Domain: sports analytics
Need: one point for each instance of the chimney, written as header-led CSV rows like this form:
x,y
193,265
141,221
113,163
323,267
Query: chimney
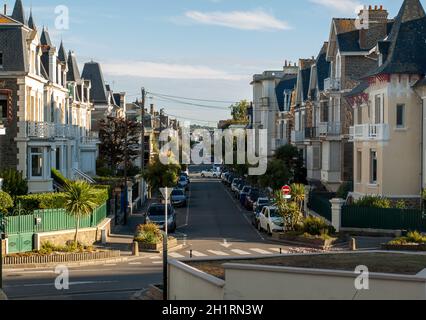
x,y
151,110
372,26
289,68
5,9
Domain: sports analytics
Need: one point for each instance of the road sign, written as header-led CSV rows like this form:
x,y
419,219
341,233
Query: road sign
x,y
286,190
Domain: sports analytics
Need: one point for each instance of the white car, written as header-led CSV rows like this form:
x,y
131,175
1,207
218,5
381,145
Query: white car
x,y
260,202
210,174
270,220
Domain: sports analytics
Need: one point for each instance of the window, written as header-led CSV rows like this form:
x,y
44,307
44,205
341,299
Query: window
x,y
58,158
1,59
324,116
377,109
3,108
373,169
400,116
359,166
36,162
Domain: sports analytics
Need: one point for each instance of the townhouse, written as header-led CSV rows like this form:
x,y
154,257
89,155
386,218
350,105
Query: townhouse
x,y
389,108
45,105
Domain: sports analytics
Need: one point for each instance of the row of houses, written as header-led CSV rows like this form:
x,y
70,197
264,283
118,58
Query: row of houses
x,y
50,111
356,110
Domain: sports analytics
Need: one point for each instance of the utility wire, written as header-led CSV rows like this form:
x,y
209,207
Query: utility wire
x,y
190,104
193,99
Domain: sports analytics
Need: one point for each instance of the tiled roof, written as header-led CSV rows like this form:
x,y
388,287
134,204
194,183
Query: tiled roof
x,y
358,89
287,83
13,44
407,42
92,71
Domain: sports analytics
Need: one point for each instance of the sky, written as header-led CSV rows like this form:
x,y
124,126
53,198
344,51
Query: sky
x,y
204,49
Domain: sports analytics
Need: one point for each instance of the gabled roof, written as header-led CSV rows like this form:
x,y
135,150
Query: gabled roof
x,y
288,82
92,71
18,12
73,72
358,89
62,55
323,66
407,42
45,38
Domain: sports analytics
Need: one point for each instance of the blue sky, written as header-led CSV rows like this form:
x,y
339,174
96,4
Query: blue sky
x,y
205,49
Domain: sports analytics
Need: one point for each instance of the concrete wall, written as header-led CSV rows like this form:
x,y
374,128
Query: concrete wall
x,y
187,283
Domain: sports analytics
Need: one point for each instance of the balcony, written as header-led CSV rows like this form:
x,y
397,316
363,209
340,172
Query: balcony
x,y
369,132
297,136
50,130
326,129
332,84
91,139
311,133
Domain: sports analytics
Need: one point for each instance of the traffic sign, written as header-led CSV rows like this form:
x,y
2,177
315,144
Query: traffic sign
x,y
286,190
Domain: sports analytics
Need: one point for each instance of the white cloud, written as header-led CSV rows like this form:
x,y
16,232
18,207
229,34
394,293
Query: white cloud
x,y
244,20
146,69
344,6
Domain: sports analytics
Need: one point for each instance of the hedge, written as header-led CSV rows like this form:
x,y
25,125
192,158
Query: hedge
x,y
59,178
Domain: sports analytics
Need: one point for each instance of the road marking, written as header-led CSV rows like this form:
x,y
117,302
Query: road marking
x,y
261,251
134,263
176,255
157,262
197,254
110,265
225,244
218,253
155,258
241,252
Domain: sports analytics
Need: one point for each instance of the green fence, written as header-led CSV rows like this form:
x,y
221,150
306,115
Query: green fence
x,y
321,205
52,220
386,219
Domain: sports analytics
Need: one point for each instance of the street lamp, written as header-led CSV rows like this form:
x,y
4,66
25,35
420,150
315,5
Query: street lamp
x,y
166,192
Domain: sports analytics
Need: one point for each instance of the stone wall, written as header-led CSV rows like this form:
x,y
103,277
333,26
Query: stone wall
x,y
8,146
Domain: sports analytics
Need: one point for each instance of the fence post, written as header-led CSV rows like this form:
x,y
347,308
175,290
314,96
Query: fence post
x,y
336,213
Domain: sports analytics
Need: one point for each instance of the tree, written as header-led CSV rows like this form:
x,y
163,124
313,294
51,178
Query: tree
x,y
277,175
289,210
239,111
115,147
79,202
14,183
159,175
6,202
293,160
298,194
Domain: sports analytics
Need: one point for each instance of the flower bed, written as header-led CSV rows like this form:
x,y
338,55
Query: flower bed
x,y
321,242
150,238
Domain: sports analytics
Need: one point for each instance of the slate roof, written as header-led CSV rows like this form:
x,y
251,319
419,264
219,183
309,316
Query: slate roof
x,y
287,83
306,79
45,38
13,45
406,42
92,71
31,22
323,67
62,55
18,12
73,72
358,89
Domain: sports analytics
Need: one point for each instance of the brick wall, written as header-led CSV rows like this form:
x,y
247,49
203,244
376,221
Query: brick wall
x,y
8,146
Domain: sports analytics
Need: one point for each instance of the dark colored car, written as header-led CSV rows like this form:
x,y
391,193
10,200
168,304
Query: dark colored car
x,y
240,188
251,198
157,214
243,194
178,198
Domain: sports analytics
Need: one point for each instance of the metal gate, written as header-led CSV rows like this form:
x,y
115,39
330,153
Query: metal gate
x,y
21,242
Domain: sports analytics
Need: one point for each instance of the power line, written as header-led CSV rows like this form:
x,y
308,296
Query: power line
x,y
193,99
164,99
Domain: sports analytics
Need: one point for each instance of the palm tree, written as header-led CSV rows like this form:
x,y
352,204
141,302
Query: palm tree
x,y
298,194
79,202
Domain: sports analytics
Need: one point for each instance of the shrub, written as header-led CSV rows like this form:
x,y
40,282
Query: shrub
x,y
344,190
317,226
102,194
412,237
42,201
401,204
373,202
59,178
148,233
6,202
14,183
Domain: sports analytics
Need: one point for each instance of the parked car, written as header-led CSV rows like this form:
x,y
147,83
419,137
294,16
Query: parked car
x,y
261,202
209,174
235,183
157,214
256,214
239,189
183,175
224,176
251,198
183,183
178,198
243,194
229,179
270,220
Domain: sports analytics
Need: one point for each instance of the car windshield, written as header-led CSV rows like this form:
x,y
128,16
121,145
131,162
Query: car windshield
x,y
158,210
182,179
177,193
274,213
263,201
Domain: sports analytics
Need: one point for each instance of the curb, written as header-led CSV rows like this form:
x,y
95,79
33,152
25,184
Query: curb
x,y
176,248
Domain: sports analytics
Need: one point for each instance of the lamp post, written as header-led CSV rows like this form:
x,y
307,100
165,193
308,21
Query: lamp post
x,y
166,194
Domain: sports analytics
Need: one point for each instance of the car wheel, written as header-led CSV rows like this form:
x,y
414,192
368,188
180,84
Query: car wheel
x,y
269,230
202,175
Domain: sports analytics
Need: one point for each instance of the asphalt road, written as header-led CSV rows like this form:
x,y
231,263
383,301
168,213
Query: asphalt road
x,y
213,224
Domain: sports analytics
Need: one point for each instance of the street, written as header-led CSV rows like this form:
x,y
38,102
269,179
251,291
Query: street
x,y
213,224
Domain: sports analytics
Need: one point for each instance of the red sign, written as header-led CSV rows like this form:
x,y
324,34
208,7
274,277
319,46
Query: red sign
x,y
286,190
